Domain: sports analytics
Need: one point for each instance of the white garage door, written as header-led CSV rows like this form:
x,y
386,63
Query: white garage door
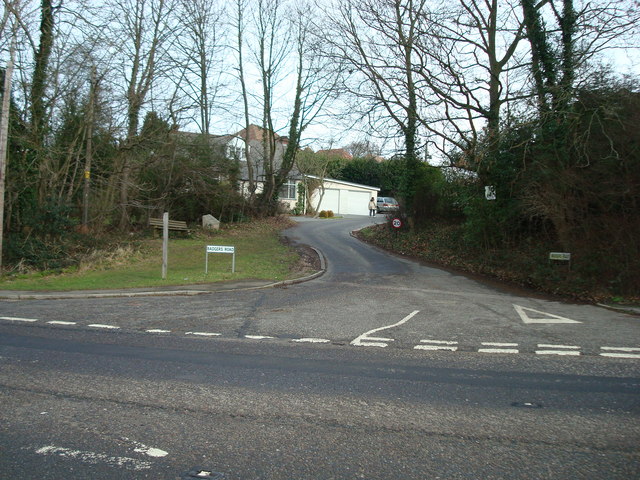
x,y
357,203
331,200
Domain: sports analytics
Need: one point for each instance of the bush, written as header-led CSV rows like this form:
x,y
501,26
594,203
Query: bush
x,y
323,214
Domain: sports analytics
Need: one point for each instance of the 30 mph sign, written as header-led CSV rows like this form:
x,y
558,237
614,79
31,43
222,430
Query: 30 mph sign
x,y
396,223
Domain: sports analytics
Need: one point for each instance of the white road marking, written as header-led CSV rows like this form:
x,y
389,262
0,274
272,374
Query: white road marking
x,y
498,350
157,330
620,355
574,353
550,345
94,458
203,334
620,352
18,319
440,342
435,347
150,451
311,340
59,322
100,325
621,349
497,347
546,317
258,337
365,341
432,345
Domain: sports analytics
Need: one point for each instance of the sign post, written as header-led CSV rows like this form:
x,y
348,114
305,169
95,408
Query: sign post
x,y
396,223
165,244
220,249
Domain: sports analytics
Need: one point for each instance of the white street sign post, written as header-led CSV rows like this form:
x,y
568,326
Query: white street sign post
x,y
220,249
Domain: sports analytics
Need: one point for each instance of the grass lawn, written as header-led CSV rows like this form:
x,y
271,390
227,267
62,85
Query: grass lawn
x,y
259,255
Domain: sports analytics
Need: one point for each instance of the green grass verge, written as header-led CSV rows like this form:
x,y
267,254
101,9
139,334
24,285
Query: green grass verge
x,y
259,255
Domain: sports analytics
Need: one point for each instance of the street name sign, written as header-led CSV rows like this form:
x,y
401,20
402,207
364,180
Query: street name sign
x,y
560,256
220,249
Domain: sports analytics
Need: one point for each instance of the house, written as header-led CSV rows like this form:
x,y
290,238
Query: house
x,y
343,198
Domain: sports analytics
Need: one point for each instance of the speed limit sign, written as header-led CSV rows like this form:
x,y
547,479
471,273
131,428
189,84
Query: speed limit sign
x,y
396,223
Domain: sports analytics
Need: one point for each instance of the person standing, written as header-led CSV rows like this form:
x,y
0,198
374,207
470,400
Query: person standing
x,y
372,207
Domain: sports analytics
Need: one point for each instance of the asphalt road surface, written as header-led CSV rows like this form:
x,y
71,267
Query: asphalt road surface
x,y
380,368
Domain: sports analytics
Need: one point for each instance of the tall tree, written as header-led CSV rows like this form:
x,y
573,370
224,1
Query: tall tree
x,y
199,56
374,42
142,28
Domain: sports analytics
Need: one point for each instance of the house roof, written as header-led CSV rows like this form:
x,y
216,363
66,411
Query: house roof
x,y
337,152
342,182
257,133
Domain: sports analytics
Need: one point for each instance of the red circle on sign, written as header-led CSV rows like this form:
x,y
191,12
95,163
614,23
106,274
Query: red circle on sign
x,y
396,223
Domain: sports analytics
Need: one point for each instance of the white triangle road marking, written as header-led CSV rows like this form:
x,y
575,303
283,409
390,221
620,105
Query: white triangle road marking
x,y
546,317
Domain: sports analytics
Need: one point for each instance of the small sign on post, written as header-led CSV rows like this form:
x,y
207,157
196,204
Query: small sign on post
x,y
220,249
560,257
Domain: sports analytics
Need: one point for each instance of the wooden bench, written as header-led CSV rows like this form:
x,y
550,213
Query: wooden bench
x,y
179,225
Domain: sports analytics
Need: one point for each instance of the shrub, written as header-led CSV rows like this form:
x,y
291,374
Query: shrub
x,y
330,213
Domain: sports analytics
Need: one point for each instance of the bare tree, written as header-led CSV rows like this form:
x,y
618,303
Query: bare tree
x,y
241,6
375,42
295,84
142,29
470,61
200,56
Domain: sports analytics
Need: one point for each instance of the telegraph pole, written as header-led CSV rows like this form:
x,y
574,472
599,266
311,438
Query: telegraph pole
x,y
4,134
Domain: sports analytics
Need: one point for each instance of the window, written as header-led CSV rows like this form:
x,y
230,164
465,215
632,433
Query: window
x,y
288,190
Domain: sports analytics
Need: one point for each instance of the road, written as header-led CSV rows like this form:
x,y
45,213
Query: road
x,y
380,368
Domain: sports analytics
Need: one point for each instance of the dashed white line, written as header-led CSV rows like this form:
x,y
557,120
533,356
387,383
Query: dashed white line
x,y
548,345
440,342
563,350
157,330
567,353
433,345
621,349
203,334
18,319
101,325
497,347
620,355
258,337
60,322
311,340
620,352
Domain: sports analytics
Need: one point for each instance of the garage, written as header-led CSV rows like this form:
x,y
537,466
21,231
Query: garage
x,y
345,198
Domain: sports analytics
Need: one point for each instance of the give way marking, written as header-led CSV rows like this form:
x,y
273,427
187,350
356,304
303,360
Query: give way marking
x,y
365,340
546,317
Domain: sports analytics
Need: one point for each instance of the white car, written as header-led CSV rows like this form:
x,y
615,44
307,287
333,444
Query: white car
x,y
387,204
